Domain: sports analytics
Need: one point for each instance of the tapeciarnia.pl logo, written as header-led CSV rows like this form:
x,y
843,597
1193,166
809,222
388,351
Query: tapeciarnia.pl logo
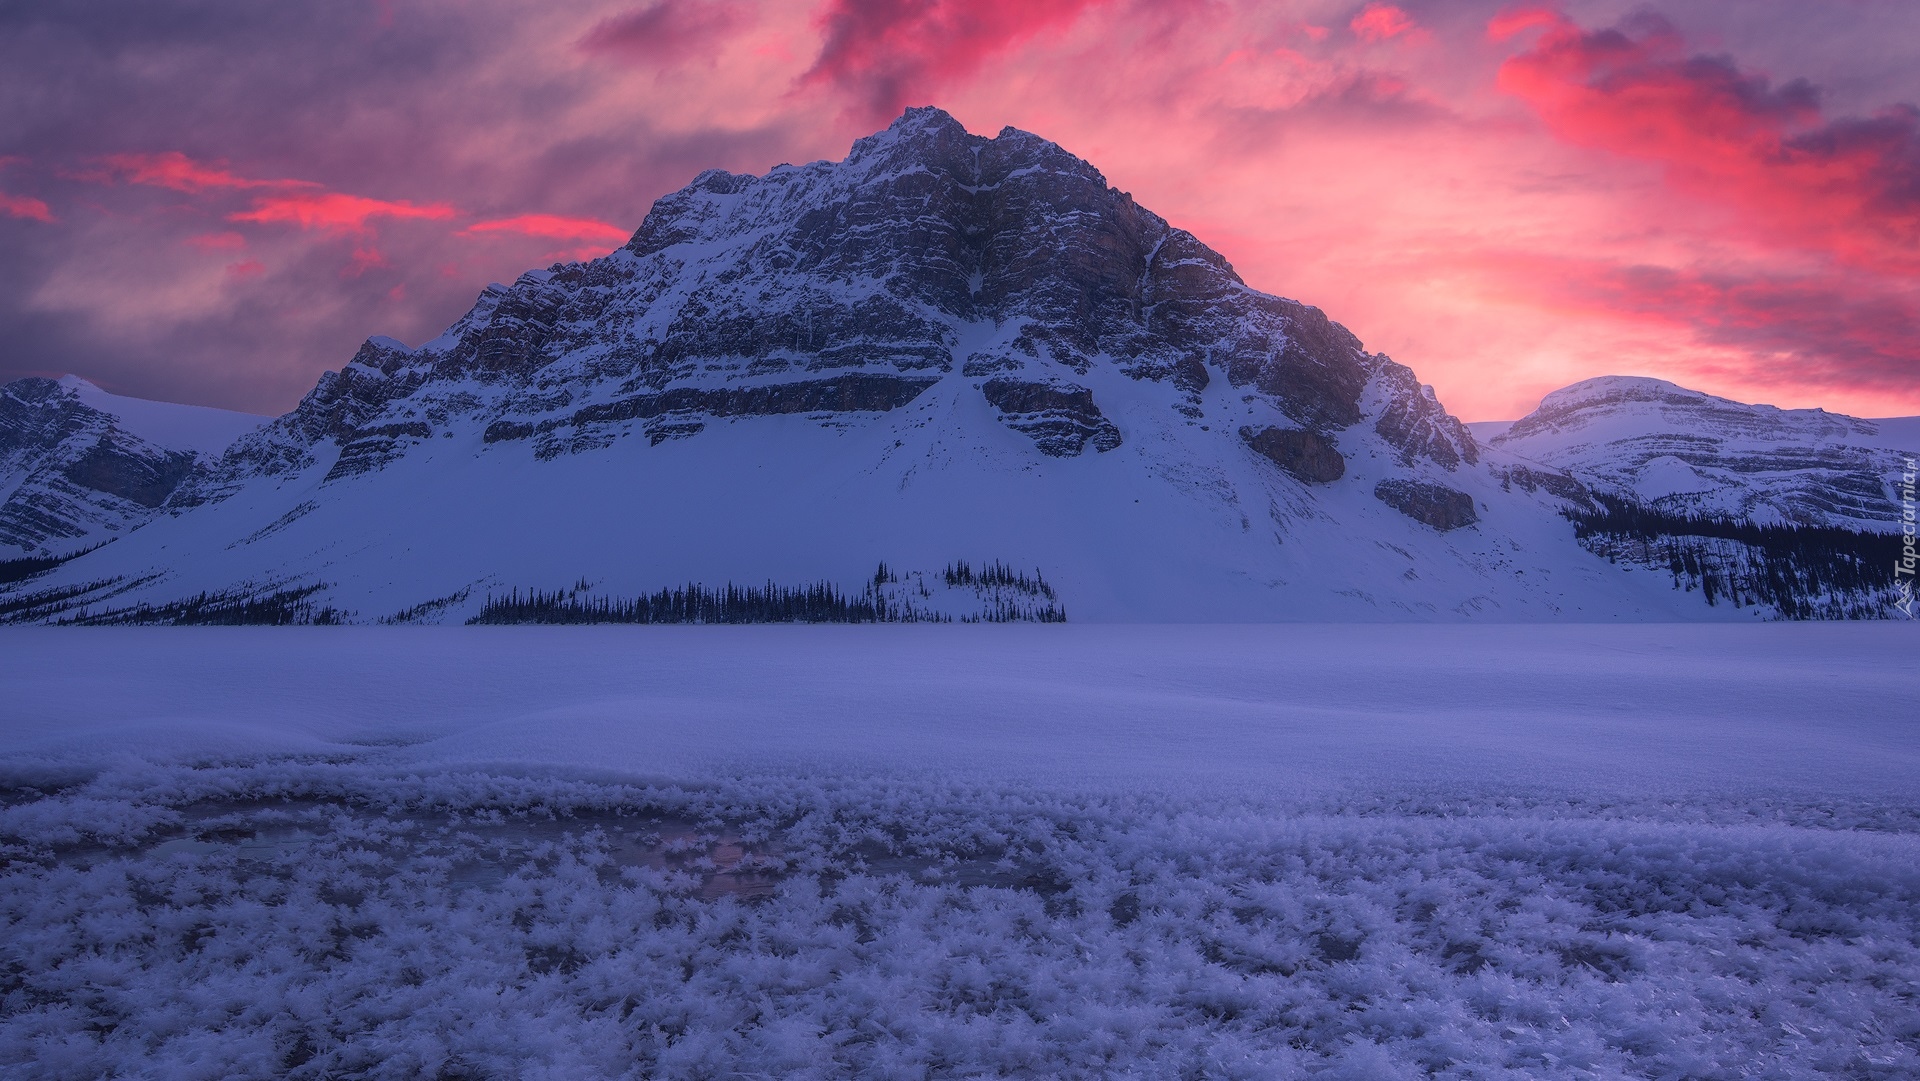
x,y
1903,568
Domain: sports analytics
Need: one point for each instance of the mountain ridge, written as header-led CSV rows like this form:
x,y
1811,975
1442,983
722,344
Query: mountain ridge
x,y
943,350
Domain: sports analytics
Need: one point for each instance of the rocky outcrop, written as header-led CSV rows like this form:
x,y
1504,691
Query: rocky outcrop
x,y
843,394
1413,420
682,406
71,475
1061,419
347,409
1430,504
1310,456
1560,485
367,449
131,469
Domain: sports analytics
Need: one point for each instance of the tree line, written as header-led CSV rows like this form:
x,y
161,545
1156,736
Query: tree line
x,y
1804,572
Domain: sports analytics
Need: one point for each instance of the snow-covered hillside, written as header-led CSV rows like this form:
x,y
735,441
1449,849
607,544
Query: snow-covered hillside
x,y
837,390
1686,452
80,466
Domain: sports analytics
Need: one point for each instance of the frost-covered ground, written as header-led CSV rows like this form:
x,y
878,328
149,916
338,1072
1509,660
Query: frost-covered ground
x,y
1345,852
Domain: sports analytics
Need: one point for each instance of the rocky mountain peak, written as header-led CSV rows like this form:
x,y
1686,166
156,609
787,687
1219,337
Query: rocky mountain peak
x,y
926,250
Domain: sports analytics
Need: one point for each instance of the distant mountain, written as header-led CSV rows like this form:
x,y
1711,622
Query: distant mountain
x,y
947,377
1682,451
1793,509
80,466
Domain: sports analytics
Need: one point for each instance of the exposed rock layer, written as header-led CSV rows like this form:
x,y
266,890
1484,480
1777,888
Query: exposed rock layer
x,y
1307,455
1431,504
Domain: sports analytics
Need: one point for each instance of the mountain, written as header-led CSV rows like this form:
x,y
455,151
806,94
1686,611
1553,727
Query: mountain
x,y
80,466
948,376
1797,511
1682,451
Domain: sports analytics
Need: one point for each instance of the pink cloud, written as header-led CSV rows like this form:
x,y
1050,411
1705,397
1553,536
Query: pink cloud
x,y
365,257
174,170
217,240
228,241
1849,187
246,268
665,31
1380,22
1518,20
335,212
25,206
551,227
888,51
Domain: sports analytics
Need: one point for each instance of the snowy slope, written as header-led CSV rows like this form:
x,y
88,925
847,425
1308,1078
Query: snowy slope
x,y
202,429
944,348
80,466
1688,452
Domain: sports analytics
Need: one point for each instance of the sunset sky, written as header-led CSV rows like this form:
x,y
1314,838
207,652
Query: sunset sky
x,y
212,202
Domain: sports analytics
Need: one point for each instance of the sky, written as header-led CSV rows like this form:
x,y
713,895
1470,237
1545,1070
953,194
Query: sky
x,y
213,201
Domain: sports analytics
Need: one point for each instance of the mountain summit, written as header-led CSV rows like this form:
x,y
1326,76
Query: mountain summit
x,y
946,377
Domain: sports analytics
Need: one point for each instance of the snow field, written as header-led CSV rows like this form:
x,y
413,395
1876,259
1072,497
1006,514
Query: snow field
x,y
307,919
1331,852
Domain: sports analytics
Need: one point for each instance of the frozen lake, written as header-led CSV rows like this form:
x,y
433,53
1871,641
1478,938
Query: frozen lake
x,y
1063,851
1818,709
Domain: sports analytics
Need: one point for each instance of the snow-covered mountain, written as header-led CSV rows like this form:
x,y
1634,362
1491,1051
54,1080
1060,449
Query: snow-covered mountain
x,y
1685,452
80,466
947,377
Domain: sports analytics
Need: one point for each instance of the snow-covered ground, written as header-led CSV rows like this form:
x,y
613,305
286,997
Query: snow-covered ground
x,y
1009,851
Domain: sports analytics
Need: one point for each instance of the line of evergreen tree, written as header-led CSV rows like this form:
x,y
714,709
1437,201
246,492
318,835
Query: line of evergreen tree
x,y
1008,612
284,608
19,570
1804,572
693,603
14,570
820,602
32,607
997,574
